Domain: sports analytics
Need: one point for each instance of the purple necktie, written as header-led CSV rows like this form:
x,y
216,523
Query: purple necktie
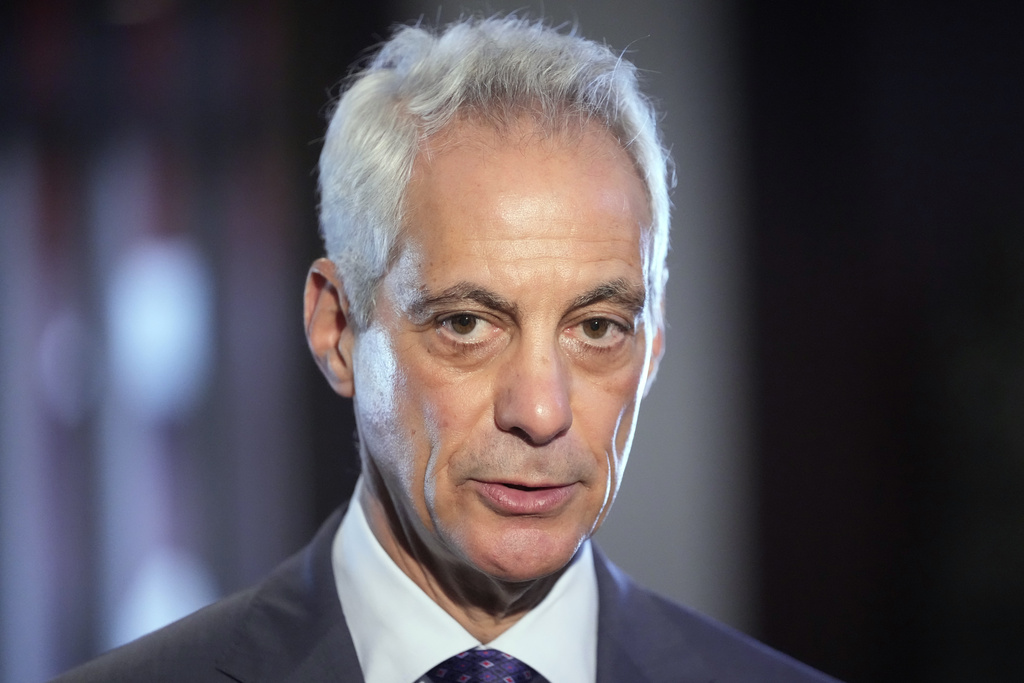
x,y
483,666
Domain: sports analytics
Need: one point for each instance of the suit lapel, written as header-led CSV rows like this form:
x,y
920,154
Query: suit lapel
x,y
635,639
294,629
614,641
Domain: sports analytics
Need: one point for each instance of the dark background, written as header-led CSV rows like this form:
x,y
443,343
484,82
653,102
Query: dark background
x,y
888,230
884,177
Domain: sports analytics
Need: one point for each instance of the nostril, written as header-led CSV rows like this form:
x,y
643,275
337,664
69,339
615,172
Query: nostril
x,y
522,434
539,438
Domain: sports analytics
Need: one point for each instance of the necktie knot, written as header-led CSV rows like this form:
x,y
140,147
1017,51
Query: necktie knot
x,y
483,666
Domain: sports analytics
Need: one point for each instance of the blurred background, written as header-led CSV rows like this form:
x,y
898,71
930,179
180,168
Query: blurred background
x,y
832,458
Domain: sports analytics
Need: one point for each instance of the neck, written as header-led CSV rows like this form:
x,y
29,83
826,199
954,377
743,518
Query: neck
x,y
483,605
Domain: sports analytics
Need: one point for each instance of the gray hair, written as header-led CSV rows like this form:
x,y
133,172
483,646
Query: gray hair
x,y
420,81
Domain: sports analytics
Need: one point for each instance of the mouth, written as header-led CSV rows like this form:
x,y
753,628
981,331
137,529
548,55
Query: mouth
x,y
509,498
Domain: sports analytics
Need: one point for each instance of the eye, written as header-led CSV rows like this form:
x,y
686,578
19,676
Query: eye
x,y
467,335
599,334
462,324
596,328
466,328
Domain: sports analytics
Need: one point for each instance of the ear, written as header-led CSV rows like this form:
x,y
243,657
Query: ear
x,y
329,329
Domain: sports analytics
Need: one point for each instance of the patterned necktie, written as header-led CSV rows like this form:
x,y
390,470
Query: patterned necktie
x,y
483,666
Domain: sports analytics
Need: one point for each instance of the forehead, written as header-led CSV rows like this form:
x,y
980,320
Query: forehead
x,y
533,140
520,193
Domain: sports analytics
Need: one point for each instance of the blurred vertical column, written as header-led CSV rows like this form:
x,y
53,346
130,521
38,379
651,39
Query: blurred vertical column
x,y
45,356
26,539
158,322
261,281
148,320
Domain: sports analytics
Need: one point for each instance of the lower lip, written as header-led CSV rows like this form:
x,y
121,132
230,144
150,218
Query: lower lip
x,y
514,501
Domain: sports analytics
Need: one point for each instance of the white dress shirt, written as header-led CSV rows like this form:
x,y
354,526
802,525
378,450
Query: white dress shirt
x,y
400,633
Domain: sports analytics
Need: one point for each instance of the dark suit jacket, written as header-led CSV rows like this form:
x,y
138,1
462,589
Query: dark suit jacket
x,y
290,628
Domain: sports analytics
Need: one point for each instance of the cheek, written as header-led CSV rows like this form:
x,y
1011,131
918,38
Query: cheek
x,y
379,396
412,413
629,392
613,426
456,419
619,405
376,373
452,407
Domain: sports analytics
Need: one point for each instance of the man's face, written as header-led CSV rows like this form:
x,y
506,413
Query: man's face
x,y
497,386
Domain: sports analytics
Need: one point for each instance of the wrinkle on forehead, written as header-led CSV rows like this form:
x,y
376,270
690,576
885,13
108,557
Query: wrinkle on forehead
x,y
516,209
521,200
537,250
577,133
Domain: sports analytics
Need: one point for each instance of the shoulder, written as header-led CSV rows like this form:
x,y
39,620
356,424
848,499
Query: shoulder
x,y
184,650
289,627
644,636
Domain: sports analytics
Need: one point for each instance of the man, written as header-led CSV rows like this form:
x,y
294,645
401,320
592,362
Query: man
x,y
495,212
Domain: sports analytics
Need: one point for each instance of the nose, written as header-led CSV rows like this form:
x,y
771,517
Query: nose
x,y
533,395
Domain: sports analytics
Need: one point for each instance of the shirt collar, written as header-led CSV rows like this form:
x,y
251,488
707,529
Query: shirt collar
x,y
387,613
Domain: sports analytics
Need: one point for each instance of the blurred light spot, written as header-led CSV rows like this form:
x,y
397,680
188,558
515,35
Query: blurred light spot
x,y
159,317
169,585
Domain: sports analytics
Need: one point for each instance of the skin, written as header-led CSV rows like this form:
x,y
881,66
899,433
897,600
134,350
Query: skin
x,y
497,386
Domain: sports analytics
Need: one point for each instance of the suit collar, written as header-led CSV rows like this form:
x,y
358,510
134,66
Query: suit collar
x,y
294,628
637,641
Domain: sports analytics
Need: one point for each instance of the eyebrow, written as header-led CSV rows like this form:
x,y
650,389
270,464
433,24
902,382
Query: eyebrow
x,y
619,291
422,307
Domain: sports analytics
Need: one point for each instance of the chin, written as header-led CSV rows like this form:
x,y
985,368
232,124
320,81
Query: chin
x,y
525,554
